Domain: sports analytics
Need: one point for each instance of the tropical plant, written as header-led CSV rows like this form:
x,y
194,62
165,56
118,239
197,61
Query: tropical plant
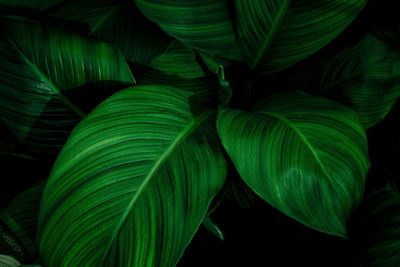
x,y
134,122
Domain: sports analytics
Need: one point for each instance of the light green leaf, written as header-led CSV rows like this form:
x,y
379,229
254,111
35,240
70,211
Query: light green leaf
x,y
50,79
8,261
364,75
275,34
306,156
133,182
117,22
203,24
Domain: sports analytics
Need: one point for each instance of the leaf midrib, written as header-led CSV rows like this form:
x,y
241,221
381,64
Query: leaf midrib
x,y
162,159
302,137
43,77
271,34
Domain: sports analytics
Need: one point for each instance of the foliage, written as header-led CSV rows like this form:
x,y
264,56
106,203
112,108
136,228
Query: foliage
x,y
137,125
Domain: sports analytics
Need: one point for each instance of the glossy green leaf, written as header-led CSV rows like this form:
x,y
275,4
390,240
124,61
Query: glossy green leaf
x,y
306,156
18,223
50,79
364,75
117,22
133,182
375,230
275,34
203,24
180,67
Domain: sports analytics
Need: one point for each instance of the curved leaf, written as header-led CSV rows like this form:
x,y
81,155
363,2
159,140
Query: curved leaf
x,y
8,261
203,24
304,155
275,34
133,182
22,6
117,22
375,230
363,75
179,67
49,79
18,223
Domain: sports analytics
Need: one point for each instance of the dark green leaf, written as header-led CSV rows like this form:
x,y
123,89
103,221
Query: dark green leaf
x,y
213,228
276,34
18,223
203,24
120,23
133,182
306,156
363,75
375,230
50,79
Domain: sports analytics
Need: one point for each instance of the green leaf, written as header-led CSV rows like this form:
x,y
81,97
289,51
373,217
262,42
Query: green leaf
x,y
213,228
306,156
50,79
203,24
375,230
276,34
8,261
120,23
18,223
133,182
22,6
364,75
179,67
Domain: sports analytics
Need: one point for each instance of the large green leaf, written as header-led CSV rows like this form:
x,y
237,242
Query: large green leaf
x,y
18,223
50,79
117,22
203,24
133,182
375,230
364,75
306,156
275,34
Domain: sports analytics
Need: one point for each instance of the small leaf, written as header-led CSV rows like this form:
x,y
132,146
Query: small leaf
x,y
213,228
306,156
18,223
8,261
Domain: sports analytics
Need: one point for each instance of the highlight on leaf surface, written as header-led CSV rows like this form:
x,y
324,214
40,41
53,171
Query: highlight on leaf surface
x,y
275,34
202,24
374,230
133,182
307,156
364,75
47,81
